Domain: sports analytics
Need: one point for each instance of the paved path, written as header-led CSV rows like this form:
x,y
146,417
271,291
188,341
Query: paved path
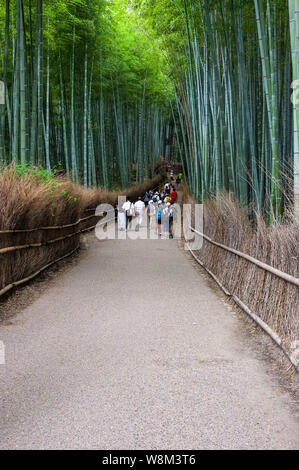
x,y
131,349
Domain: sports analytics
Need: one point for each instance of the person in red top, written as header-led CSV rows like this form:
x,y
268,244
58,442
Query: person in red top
x,y
174,195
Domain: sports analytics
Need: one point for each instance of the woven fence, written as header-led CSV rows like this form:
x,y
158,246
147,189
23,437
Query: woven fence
x,y
25,252
265,279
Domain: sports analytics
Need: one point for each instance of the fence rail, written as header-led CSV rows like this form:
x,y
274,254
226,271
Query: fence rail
x,y
54,227
286,277
10,249
274,336
39,245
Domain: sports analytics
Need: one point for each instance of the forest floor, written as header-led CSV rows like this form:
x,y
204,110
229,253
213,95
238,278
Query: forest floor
x,y
131,347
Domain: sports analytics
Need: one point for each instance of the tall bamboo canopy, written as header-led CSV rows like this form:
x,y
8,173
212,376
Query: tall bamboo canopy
x,y
84,91
105,87
231,66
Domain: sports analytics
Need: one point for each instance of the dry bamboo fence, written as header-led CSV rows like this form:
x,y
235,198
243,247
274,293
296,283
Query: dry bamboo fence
x,y
291,279
25,252
29,252
257,266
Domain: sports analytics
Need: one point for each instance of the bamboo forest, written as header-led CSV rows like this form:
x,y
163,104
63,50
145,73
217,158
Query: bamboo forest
x,y
103,88
149,229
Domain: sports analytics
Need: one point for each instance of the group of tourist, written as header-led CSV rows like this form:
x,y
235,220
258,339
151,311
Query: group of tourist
x,y
157,206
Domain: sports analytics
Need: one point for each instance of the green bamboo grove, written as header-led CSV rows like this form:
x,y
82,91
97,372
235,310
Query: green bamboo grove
x,y
294,34
104,87
237,104
233,63
83,89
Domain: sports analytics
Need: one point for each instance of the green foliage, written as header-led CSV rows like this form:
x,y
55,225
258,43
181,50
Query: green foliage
x,y
37,172
40,175
136,62
232,79
107,86
85,80
116,38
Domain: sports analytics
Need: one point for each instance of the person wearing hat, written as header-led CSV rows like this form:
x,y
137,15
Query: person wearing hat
x,y
156,197
165,217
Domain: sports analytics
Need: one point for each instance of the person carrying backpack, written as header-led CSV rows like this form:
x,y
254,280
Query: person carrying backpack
x,y
159,218
156,197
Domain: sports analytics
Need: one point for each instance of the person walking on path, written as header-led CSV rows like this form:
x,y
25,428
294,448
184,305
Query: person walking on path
x,y
171,218
156,197
121,218
147,197
128,208
174,195
139,210
151,212
159,212
165,220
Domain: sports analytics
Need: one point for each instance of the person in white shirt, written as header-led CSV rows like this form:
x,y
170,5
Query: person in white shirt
x,y
128,207
165,217
139,210
121,218
151,210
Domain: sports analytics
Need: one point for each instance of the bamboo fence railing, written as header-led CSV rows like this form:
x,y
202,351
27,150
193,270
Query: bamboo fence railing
x,y
7,250
276,272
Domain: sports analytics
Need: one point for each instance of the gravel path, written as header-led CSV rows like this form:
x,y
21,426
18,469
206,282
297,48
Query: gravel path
x,y
131,349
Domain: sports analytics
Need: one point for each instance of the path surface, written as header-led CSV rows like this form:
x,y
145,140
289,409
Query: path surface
x,y
131,349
